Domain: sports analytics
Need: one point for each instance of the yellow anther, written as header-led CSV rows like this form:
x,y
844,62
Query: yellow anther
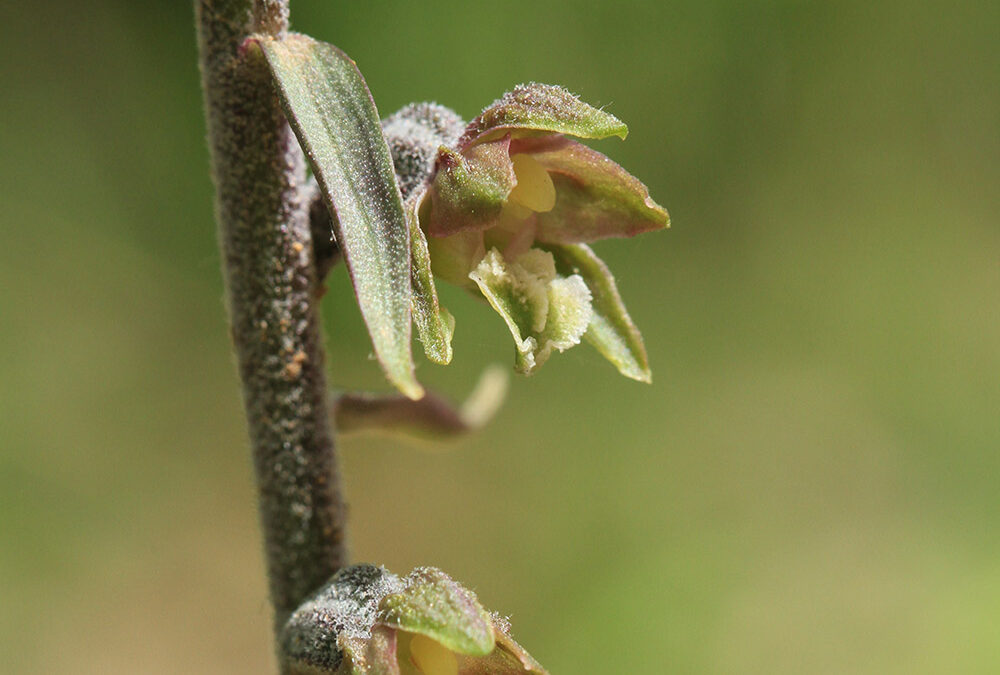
x,y
431,657
534,188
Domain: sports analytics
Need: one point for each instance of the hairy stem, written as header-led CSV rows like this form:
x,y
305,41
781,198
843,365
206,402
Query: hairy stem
x,y
263,219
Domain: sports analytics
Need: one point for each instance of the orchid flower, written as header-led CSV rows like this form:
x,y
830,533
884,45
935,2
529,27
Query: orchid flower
x,y
506,207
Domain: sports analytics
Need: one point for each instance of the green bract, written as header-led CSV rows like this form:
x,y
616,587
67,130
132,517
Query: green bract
x,y
367,621
332,113
506,211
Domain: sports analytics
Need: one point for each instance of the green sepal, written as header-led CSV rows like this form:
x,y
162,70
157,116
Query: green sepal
x,y
334,118
541,108
470,188
435,325
611,330
435,605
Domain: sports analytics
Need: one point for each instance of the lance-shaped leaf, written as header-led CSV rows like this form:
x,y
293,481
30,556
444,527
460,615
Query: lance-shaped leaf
x,y
611,330
533,108
334,117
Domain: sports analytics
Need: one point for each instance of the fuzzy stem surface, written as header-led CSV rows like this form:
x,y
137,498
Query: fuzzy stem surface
x,y
262,213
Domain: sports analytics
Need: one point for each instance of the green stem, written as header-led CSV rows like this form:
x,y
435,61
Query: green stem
x,y
262,214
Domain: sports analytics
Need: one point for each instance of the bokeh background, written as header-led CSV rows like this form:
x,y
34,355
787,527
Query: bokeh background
x,y
811,484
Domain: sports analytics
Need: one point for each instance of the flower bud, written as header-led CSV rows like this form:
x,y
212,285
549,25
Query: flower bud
x,y
368,621
414,134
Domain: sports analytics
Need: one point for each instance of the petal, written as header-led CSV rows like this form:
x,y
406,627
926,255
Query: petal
x,y
542,310
435,605
611,330
470,189
596,198
435,325
534,108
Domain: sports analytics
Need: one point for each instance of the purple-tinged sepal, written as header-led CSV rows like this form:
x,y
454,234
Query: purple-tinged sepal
x,y
596,198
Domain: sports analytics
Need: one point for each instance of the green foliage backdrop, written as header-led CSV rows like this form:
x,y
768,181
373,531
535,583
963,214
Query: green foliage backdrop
x,y
810,485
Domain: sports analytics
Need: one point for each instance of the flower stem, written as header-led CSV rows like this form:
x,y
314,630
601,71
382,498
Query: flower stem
x,y
263,219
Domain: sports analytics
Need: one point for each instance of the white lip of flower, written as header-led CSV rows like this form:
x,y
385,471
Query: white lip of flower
x,y
544,311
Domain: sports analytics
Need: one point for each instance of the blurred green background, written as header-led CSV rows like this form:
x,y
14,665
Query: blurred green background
x,y
811,484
